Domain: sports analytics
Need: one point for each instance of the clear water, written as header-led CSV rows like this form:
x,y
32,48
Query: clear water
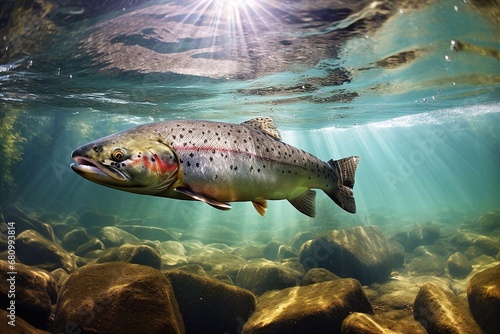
x,y
425,126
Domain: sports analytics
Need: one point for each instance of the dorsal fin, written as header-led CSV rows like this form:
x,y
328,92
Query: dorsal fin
x,y
265,125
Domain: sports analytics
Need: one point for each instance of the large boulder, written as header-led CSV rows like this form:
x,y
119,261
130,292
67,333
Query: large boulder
x,y
35,250
360,252
117,297
208,305
483,293
317,308
441,311
260,275
34,292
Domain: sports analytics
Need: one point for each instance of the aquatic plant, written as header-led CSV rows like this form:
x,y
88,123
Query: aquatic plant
x,y
25,27
11,152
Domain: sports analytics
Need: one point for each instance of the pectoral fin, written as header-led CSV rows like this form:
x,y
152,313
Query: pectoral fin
x,y
200,197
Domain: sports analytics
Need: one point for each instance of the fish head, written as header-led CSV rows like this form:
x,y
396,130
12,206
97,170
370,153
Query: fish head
x,y
128,161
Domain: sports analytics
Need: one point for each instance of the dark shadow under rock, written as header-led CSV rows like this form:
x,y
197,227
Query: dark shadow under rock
x,y
117,297
208,305
317,308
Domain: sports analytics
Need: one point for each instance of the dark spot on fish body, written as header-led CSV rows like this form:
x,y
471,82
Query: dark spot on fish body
x,y
153,159
197,164
188,163
191,154
211,159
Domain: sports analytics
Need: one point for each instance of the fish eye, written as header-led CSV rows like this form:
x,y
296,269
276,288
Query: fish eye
x,y
118,154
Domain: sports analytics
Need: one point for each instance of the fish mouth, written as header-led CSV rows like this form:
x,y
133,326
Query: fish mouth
x,y
96,171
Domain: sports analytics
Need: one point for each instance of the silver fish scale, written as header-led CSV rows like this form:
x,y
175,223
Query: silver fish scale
x,y
233,162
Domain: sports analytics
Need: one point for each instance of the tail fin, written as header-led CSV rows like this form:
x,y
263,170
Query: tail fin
x,y
343,194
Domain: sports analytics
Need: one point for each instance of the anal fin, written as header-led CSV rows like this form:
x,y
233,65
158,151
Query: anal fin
x,y
260,206
202,198
305,203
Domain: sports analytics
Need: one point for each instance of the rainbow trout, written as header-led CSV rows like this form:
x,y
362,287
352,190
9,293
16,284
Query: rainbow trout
x,y
215,163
